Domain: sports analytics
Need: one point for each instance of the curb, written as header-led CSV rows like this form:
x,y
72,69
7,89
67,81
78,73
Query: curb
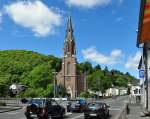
x,y
11,110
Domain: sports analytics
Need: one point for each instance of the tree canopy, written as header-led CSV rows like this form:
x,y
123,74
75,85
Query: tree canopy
x,y
35,71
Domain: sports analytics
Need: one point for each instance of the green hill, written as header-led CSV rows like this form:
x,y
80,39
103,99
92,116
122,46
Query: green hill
x,y
35,71
28,68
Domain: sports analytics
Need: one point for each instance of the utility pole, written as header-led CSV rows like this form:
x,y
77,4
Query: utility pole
x,y
54,72
146,71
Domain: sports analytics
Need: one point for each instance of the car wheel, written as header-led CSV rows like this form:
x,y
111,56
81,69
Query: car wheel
x,y
50,117
102,116
43,117
28,117
86,117
108,115
62,116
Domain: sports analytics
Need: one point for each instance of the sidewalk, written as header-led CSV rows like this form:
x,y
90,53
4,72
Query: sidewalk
x,y
136,112
9,108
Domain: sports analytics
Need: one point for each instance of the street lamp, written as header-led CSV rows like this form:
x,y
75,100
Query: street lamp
x,y
54,72
129,88
113,90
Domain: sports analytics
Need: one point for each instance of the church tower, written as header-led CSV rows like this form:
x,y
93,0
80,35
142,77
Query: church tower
x,y
68,77
69,62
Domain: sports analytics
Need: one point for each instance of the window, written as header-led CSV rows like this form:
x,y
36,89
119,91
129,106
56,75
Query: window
x,y
68,68
136,91
53,102
139,91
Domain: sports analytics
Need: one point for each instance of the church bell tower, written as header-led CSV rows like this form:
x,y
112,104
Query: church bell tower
x,y
69,62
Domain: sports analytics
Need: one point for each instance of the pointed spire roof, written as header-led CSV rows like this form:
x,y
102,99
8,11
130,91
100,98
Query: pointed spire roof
x,y
69,31
69,26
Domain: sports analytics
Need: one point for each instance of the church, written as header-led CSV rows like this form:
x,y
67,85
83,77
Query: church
x,y
69,77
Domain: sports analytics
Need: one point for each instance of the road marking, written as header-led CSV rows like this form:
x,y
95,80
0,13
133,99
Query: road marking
x,y
81,115
12,113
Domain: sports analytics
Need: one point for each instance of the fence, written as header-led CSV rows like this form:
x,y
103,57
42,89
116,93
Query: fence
x,y
15,101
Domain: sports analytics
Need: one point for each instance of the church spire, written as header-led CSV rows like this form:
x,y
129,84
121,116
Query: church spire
x,y
69,29
69,26
69,47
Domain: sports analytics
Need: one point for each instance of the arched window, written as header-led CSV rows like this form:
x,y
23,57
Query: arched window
x,y
68,68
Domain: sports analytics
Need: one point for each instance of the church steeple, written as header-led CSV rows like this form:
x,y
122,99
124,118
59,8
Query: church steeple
x,y
69,47
69,26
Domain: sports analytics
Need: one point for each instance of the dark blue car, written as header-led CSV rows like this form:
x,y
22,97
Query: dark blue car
x,y
76,106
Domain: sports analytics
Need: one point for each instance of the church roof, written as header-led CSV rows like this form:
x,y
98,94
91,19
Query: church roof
x,y
69,25
69,31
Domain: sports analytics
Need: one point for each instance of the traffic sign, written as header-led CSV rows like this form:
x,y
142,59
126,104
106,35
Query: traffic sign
x,y
141,73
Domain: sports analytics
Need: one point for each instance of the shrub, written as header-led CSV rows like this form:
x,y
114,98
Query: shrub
x,y
2,104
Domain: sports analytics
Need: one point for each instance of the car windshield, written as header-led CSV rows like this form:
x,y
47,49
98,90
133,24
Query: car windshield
x,y
40,102
54,102
74,103
94,105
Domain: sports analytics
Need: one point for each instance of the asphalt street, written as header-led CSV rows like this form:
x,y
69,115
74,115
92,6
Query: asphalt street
x,y
115,107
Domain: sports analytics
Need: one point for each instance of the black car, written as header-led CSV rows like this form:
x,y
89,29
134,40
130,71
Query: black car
x,y
43,108
76,106
96,110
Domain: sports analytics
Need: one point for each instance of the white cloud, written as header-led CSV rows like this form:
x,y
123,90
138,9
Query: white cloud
x,y
87,3
116,53
34,15
93,55
133,61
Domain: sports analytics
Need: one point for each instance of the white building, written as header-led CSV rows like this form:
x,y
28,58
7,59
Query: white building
x,y
98,93
123,91
135,91
112,91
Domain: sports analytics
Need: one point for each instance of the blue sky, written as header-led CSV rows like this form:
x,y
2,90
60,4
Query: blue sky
x,y
104,30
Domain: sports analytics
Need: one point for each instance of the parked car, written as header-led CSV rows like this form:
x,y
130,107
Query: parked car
x,y
76,106
96,110
43,108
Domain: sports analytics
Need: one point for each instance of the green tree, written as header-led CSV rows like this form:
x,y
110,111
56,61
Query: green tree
x,y
62,92
85,67
84,94
97,67
41,76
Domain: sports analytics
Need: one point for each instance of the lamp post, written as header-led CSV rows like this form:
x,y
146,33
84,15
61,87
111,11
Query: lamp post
x,y
54,72
129,88
113,91
129,92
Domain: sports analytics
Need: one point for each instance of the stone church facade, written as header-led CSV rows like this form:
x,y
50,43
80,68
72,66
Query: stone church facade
x,y
69,77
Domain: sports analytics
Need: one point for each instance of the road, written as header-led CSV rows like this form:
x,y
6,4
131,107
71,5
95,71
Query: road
x,y
115,107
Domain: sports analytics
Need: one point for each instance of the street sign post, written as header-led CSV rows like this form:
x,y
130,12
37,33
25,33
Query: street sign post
x,y
141,73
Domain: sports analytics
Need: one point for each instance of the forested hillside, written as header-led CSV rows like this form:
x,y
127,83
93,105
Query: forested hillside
x,y
29,68
35,71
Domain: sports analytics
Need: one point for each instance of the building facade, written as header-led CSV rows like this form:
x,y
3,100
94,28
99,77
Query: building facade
x,y
69,77
144,64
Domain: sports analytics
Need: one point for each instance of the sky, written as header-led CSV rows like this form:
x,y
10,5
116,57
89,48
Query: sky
x,y
104,30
